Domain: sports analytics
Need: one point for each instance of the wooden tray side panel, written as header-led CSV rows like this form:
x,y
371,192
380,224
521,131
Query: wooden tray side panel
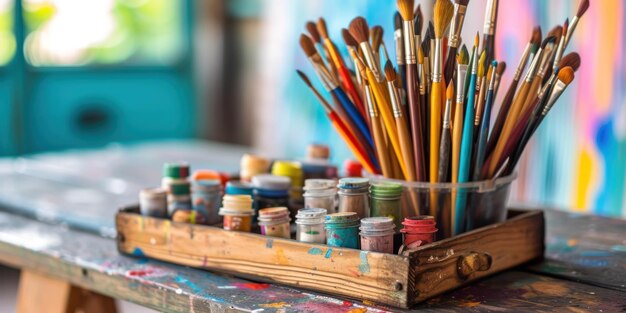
x,y
451,263
362,275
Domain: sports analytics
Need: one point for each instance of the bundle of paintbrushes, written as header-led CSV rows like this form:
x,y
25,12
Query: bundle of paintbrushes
x,y
428,118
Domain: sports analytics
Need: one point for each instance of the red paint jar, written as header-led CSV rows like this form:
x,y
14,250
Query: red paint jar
x,y
418,230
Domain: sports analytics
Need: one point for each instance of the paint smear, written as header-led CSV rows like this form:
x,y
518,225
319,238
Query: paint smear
x,y
358,310
140,273
364,267
619,248
328,253
275,305
281,258
315,251
470,304
138,252
269,243
252,286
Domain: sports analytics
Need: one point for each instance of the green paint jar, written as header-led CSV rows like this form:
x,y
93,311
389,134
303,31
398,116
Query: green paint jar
x,y
342,230
385,201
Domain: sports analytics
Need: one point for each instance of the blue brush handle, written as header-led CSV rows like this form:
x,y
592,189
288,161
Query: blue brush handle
x,y
354,115
465,156
482,136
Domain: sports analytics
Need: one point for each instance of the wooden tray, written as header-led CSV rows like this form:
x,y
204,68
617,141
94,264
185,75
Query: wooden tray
x,y
396,280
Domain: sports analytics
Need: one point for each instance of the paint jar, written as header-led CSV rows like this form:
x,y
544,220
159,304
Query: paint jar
x,y
318,169
153,202
237,212
293,170
252,165
188,216
418,231
310,225
211,175
377,234
270,191
235,187
320,193
354,196
352,168
174,173
179,197
274,222
317,152
342,230
385,198
206,197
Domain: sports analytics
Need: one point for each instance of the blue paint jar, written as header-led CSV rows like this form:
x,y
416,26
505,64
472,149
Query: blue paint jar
x,y
206,198
270,191
342,230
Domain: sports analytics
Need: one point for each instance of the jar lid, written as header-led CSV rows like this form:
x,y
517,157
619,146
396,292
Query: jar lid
x,y
153,193
287,168
206,184
420,220
273,212
311,213
179,188
210,174
352,168
272,182
238,188
353,183
226,211
176,170
317,151
319,184
379,223
341,217
255,163
386,189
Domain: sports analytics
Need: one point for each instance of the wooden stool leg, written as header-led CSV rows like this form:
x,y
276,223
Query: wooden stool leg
x,y
42,294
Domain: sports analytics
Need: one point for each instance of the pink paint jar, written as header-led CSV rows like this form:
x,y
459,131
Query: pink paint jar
x,y
274,222
418,230
377,234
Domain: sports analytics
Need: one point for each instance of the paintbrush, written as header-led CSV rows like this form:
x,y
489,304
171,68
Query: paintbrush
x,y
489,29
360,31
346,77
505,106
341,128
332,86
465,154
405,7
315,35
561,48
399,43
401,126
352,46
377,41
484,127
443,12
454,37
426,49
444,145
499,72
481,91
457,126
582,8
379,137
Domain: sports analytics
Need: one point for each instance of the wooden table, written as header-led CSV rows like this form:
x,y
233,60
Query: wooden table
x,y
584,268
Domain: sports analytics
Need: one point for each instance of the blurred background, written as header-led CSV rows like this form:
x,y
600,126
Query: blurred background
x,y
84,74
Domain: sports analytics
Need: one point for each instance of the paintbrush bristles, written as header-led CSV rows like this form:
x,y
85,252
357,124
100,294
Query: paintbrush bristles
x,y
535,39
582,8
405,7
377,37
548,40
312,29
347,38
390,72
572,60
556,32
307,45
359,29
500,68
444,10
418,20
481,64
463,57
304,78
462,2
476,40
321,27
450,90
397,21
566,75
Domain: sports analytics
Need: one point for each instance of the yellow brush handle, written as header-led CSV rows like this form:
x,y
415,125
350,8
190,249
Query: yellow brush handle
x,y
405,146
381,147
457,135
530,97
509,123
382,102
436,100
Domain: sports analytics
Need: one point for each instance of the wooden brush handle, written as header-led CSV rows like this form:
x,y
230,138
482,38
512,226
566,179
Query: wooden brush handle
x,y
416,121
436,101
502,114
405,146
444,155
352,143
450,65
381,146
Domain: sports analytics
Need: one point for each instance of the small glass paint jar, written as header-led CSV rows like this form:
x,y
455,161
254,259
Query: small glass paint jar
x,y
386,201
179,197
239,188
293,170
252,165
237,212
354,196
418,231
321,193
274,222
174,173
270,191
206,197
310,225
153,202
342,230
377,234
352,168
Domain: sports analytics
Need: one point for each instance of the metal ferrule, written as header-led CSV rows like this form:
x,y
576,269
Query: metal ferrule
x,y
490,17
522,62
397,38
570,29
532,69
437,75
496,86
544,89
475,62
370,59
327,81
371,108
492,81
461,71
559,52
558,89
410,56
446,114
543,68
454,36
395,101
